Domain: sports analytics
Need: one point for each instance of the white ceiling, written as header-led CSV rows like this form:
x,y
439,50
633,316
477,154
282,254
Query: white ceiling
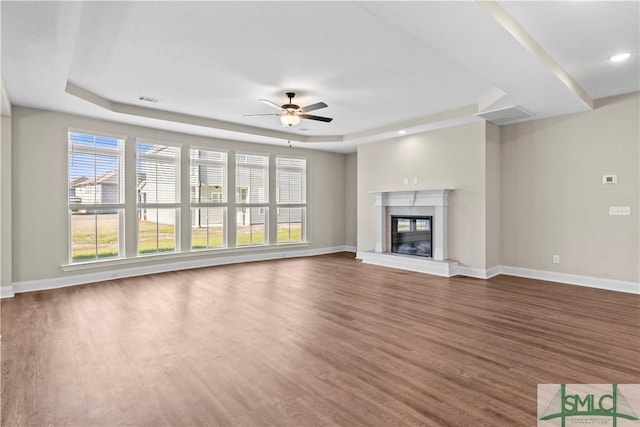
x,y
380,66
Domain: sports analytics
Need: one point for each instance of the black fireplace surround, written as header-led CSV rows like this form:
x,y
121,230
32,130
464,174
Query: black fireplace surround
x,y
411,235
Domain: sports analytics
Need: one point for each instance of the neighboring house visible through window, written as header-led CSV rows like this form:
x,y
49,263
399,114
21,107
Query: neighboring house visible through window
x,y
208,189
96,196
158,194
291,199
252,199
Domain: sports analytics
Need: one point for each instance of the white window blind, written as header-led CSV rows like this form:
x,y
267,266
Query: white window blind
x,y
252,179
208,176
158,170
95,196
291,181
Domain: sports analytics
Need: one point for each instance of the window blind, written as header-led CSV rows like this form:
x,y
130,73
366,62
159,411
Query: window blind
x,y
252,179
95,170
291,176
208,176
158,172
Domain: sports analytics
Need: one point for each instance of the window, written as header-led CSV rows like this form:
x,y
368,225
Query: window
x,y
252,199
208,184
270,198
291,199
96,196
158,196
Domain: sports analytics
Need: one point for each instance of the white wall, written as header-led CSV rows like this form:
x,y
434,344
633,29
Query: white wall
x,y
445,158
40,226
553,199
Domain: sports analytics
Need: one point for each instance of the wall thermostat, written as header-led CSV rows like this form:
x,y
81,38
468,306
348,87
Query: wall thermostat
x,y
609,179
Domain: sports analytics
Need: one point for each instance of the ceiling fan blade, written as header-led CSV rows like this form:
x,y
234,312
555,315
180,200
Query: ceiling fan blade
x,y
272,104
313,107
255,115
318,118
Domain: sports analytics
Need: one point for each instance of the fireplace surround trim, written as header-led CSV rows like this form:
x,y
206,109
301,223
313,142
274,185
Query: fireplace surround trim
x,y
408,199
432,202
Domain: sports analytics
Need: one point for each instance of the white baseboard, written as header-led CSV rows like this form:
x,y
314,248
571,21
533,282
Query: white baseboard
x,y
478,273
492,271
6,291
81,279
350,249
573,279
551,276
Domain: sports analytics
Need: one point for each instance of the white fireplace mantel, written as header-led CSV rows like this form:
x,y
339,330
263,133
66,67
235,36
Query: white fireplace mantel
x,y
435,198
432,202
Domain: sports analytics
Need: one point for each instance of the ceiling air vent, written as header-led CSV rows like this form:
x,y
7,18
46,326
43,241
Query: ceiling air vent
x,y
503,116
148,99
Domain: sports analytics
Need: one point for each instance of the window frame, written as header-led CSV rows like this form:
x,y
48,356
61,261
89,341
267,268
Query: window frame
x,y
264,205
302,205
118,207
175,206
224,204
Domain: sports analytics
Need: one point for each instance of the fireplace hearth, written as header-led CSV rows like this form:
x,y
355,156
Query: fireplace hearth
x,y
411,235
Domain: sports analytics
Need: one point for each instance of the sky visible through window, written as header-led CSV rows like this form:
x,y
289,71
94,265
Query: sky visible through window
x,y
88,165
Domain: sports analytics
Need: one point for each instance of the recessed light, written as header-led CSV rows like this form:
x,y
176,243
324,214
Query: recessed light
x,y
619,57
402,132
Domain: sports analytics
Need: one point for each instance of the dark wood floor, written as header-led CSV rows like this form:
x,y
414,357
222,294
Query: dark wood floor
x,y
310,341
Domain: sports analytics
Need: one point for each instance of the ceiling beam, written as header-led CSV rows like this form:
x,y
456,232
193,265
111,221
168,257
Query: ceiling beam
x,y
525,39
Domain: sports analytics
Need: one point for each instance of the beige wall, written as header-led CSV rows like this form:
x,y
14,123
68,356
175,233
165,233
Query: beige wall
x,y
445,158
553,199
492,189
5,202
351,199
40,228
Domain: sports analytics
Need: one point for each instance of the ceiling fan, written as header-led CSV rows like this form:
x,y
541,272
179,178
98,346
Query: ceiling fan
x,y
290,114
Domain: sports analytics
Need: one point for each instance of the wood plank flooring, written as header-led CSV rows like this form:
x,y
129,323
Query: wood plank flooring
x,y
309,341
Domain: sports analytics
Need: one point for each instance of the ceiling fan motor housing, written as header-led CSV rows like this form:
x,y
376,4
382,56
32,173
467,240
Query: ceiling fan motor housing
x,y
291,107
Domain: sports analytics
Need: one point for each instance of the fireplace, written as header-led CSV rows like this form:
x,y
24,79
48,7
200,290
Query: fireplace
x,y
413,210
411,235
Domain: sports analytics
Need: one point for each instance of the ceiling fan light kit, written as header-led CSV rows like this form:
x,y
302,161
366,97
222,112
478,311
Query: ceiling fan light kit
x,y
290,114
289,119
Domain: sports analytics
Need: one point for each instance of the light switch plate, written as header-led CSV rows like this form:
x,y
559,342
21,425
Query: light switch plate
x,y
619,210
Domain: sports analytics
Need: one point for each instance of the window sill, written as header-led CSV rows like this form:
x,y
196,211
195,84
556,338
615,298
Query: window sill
x,y
198,253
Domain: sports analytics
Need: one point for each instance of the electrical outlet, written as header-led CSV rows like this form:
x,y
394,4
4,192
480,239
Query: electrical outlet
x,y
610,179
556,259
406,181
415,180
619,210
